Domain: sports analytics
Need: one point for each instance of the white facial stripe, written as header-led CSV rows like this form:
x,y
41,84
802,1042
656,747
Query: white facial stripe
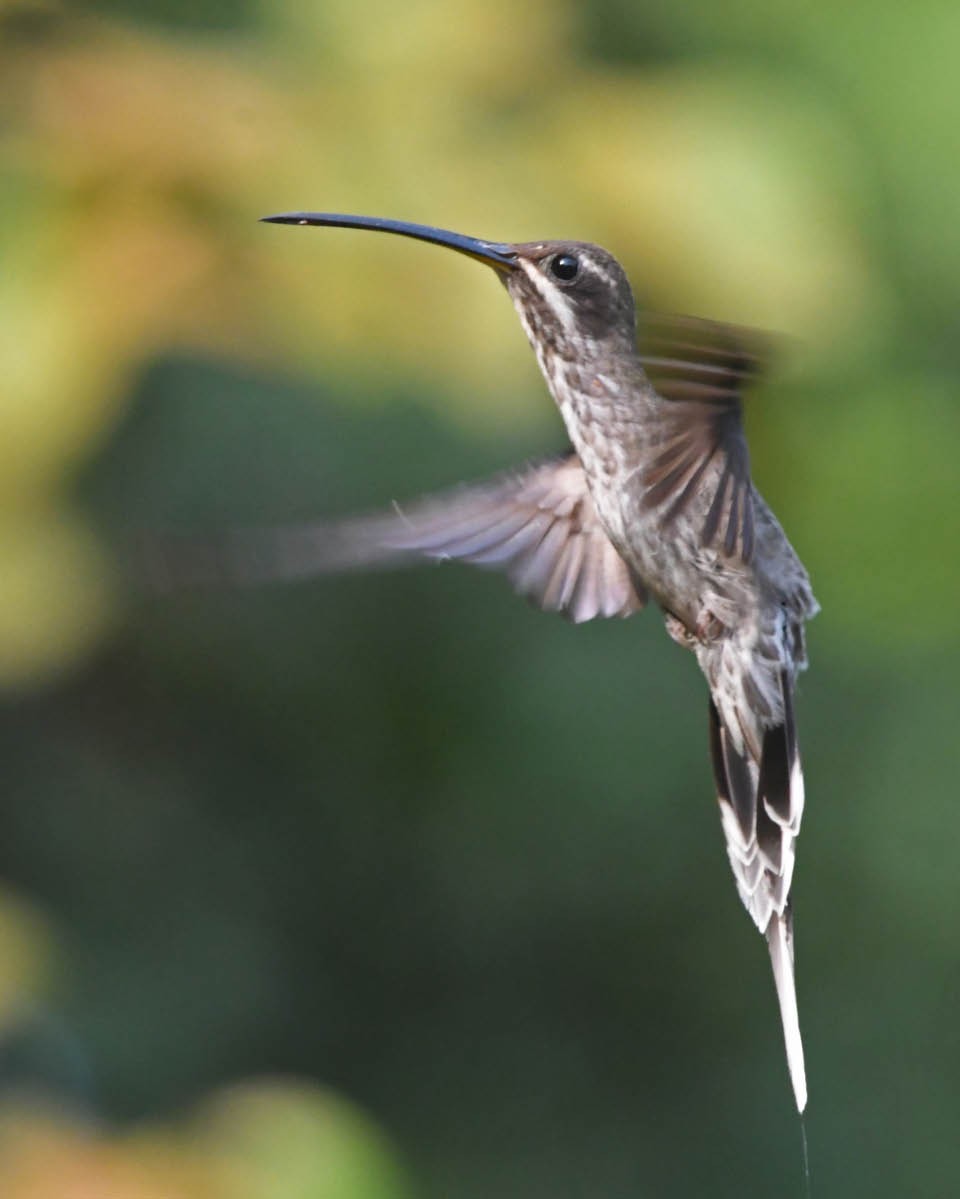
x,y
605,275
550,295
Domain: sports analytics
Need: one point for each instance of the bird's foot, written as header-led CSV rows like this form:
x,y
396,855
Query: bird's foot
x,y
709,627
679,631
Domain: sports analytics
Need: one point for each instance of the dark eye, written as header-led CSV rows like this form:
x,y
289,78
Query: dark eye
x,y
564,267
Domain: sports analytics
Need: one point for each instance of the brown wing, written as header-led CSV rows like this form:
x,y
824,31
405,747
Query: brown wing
x,y
538,525
702,368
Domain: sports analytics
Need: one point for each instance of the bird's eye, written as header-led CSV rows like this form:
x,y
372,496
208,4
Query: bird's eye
x,y
564,267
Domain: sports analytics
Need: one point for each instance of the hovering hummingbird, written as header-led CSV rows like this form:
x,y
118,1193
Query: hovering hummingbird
x,y
654,499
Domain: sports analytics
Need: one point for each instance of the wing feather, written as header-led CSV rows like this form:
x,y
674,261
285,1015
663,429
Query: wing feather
x,y
701,368
538,525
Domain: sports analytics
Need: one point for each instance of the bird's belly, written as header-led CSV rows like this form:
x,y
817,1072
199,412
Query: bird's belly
x,y
668,569
670,561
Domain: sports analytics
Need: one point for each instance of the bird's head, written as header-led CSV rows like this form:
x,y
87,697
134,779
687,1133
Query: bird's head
x,y
570,296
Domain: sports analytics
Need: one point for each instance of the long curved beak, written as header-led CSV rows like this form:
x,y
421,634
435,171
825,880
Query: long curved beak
x,y
501,257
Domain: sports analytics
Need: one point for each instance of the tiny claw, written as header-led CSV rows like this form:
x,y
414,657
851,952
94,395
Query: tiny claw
x,y
678,631
709,627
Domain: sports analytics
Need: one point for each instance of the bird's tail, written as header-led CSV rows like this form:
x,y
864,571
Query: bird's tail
x,y
780,941
761,802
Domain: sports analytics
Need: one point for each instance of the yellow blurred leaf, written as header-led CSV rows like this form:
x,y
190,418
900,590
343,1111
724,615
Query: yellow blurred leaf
x,y
292,1140
26,951
45,1157
55,603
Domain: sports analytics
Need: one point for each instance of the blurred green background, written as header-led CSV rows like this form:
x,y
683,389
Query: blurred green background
x,y
389,886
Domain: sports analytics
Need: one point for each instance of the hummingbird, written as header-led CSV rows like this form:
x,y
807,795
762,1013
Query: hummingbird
x,y
653,500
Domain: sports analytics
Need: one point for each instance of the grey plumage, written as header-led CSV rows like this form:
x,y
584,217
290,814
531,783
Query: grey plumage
x,y
655,499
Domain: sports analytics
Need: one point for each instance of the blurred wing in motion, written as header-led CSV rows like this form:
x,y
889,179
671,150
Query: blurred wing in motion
x,y
688,358
702,368
538,525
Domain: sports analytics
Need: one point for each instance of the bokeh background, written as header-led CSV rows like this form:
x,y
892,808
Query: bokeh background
x,y
389,886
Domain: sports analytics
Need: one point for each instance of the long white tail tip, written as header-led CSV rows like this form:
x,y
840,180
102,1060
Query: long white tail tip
x,y
780,940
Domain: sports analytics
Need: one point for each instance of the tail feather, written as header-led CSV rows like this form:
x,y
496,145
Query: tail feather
x,y
780,941
761,802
